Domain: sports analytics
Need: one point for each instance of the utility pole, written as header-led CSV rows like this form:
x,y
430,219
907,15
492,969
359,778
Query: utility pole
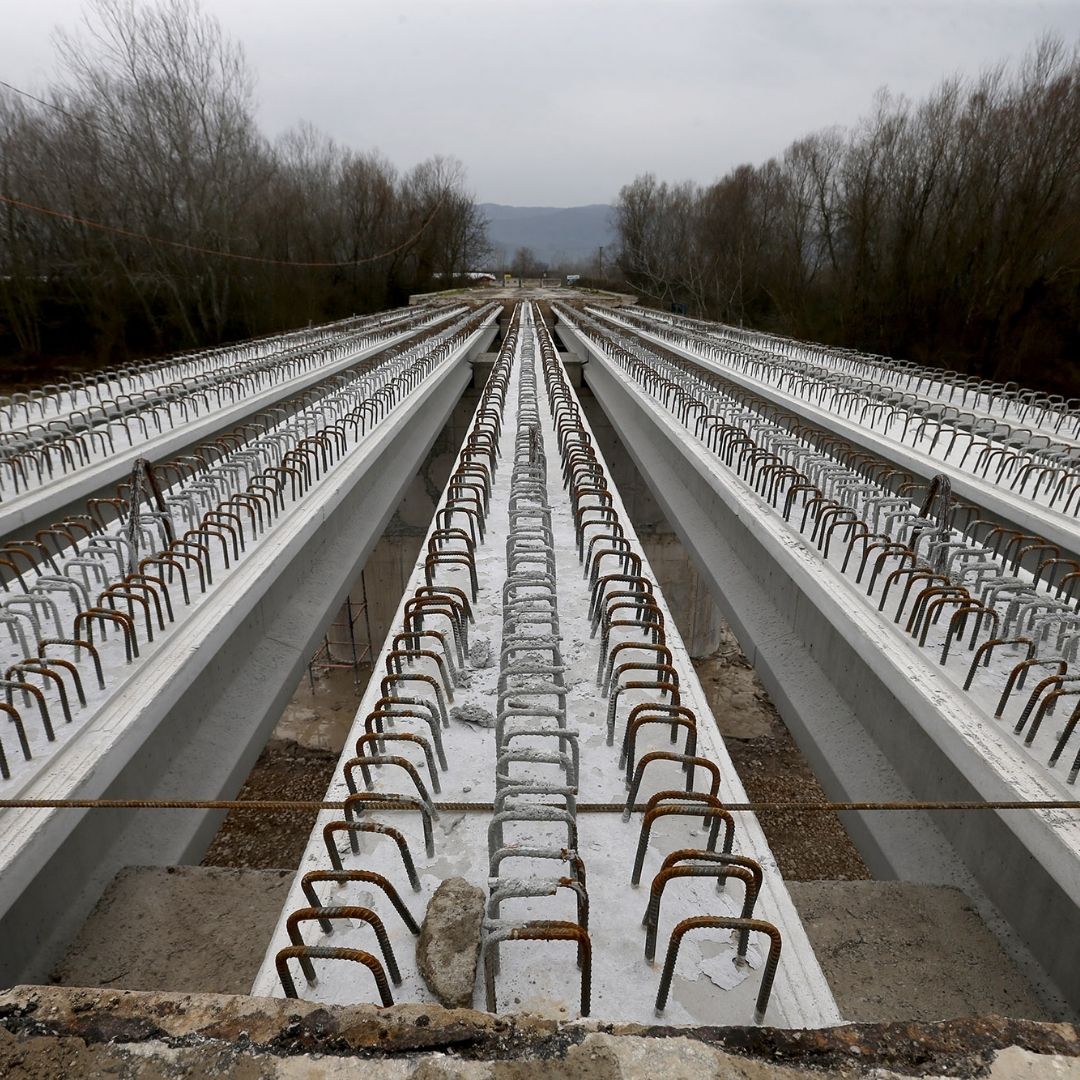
x,y
601,262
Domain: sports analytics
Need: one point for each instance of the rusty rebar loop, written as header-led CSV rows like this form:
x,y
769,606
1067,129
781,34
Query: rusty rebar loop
x,y
368,877
375,828
378,739
323,952
325,916
721,870
713,812
717,922
361,802
690,764
538,930
394,709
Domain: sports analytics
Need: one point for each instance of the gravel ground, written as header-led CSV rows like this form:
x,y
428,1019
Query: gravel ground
x,y
273,839
297,763
808,846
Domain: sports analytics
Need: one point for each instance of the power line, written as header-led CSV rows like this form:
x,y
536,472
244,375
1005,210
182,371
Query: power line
x,y
55,107
200,250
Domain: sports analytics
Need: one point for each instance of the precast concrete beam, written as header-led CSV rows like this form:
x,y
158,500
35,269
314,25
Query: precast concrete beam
x,y
1011,510
39,508
192,719
483,364
875,719
458,844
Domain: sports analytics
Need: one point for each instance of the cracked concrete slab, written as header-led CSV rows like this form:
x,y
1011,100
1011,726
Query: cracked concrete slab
x,y
61,1031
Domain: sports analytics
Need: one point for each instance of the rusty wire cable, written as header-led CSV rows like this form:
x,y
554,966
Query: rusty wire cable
x,y
307,805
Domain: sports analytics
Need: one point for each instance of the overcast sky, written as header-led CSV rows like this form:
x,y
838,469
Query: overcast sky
x,y
559,103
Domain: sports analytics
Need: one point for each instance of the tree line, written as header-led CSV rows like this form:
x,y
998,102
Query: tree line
x,y
945,231
146,212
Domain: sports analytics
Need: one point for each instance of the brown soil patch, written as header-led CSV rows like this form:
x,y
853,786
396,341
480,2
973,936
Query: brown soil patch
x,y
808,846
263,840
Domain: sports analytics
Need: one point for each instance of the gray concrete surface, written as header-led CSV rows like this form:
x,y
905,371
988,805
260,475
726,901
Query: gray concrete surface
x,y
197,929
895,951
321,710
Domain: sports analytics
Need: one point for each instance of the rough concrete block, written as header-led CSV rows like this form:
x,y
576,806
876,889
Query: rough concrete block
x,y
898,951
449,944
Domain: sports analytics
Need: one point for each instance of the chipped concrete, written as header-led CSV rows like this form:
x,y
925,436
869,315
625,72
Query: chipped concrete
x,y
600,1057
480,653
473,714
58,1031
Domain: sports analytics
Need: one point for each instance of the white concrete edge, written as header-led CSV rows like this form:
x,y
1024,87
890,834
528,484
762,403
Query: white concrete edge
x,y
86,766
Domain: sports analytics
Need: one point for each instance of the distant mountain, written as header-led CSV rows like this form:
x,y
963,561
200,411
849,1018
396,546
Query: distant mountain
x,y
556,234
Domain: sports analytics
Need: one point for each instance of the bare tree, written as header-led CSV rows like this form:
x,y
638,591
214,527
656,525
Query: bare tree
x,y
150,135
948,229
171,99
524,263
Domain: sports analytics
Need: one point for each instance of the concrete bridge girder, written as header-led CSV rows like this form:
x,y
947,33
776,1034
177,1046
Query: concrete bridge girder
x,y
1010,509
37,509
193,718
865,713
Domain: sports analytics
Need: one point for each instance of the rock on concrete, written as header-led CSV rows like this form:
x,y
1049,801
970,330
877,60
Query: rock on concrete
x,y
476,715
481,653
189,928
897,951
449,942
